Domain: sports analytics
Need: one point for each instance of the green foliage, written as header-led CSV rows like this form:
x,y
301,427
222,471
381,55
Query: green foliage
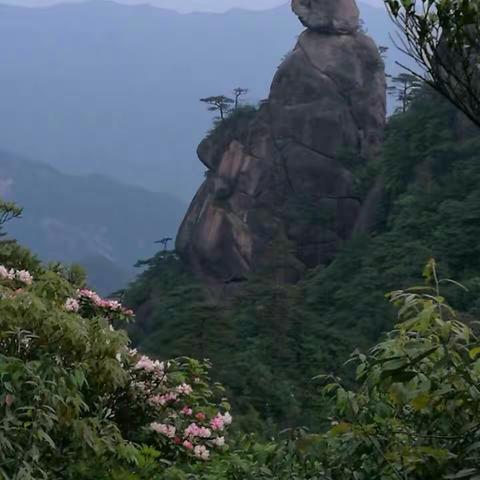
x,y
234,124
249,459
12,255
432,174
403,88
416,411
413,411
75,402
225,106
57,371
220,104
272,338
442,37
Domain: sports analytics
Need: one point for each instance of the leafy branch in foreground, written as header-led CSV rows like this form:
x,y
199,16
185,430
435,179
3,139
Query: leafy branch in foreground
x,y
443,38
416,414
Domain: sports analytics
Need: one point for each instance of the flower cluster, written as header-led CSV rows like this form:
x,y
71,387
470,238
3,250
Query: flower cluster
x,y
193,430
201,451
167,430
90,303
72,305
182,417
149,365
22,276
220,421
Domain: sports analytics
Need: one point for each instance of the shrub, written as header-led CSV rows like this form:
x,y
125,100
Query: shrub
x,y
75,402
416,413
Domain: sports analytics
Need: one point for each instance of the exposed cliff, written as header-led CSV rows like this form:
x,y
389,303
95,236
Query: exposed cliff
x,y
327,102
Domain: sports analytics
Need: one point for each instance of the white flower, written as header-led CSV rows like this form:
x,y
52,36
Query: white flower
x,y
219,441
200,451
21,275
167,430
184,389
4,274
72,305
24,277
227,419
146,364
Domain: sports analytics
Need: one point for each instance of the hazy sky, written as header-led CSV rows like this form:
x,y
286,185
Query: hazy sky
x,y
181,5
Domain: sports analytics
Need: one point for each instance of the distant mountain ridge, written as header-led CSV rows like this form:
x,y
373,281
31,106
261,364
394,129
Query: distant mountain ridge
x,y
185,6
103,88
93,220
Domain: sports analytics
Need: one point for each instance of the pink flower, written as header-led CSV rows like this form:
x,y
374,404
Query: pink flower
x,y
200,416
162,400
170,397
91,295
188,445
156,401
201,452
167,430
72,305
187,411
184,389
113,305
193,430
217,423
146,364
204,432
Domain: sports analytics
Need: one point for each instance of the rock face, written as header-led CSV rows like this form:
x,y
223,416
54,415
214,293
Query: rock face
x,y
286,174
328,16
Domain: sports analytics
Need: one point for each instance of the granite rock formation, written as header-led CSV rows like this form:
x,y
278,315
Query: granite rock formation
x,y
328,16
286,174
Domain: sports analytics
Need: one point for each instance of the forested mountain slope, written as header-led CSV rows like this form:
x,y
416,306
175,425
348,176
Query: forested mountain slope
x,y
271,340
